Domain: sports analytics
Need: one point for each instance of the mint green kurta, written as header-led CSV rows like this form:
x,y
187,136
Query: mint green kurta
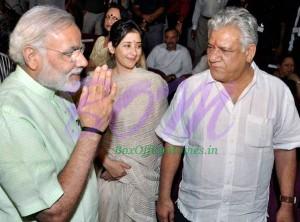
x,y
38,134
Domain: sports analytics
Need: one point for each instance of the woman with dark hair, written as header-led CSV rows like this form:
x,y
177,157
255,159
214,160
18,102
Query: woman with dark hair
x,y
99,55
286,72
130,149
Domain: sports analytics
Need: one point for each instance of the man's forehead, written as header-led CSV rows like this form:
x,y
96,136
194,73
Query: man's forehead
x,y
171,33
61,36
225,36
65,31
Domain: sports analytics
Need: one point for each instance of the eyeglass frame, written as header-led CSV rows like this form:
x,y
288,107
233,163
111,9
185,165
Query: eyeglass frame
x,y
70,54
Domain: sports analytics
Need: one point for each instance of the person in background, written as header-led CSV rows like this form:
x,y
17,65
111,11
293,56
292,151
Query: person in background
x,y
177,12
8,20
126,4
93,14
292,33
170,57
46,161
232,121
57,3
75,8
204,10
99,55
150,16
201,66
286,72
130,150
6,66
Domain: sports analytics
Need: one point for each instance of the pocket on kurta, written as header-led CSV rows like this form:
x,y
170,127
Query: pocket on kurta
x,y
259,132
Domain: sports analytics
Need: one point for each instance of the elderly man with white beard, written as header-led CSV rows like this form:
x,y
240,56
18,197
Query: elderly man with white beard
x,y
46,161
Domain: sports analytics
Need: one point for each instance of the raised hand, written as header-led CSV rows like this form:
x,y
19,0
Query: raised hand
x,y
96,100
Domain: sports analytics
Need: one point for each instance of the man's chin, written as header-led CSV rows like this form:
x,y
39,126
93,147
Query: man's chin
x,y
171,47
71,87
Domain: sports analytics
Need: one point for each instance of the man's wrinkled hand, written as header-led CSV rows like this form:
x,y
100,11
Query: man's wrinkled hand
x,y
97,98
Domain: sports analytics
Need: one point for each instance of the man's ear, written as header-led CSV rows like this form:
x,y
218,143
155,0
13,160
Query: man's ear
x,y
111,49
250,52
32,58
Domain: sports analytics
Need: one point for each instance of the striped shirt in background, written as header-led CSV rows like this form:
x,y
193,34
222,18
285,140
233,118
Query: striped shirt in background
x,y
6,66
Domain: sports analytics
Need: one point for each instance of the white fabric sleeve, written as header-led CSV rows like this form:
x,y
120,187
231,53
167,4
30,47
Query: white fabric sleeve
x,y
151,58
172,128
287,126
186,67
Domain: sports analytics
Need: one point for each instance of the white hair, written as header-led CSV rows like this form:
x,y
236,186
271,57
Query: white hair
x,y
34,26
239,17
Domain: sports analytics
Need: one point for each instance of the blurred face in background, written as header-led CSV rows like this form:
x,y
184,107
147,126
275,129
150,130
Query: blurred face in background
x,y
286,67
171,38
112,15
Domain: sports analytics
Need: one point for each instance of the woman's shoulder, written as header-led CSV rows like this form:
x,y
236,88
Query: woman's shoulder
x,y
146,74
100,40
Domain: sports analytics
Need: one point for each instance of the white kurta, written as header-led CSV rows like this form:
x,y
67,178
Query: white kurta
x,y
176,62
229,147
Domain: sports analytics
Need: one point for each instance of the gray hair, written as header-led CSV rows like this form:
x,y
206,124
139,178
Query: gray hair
x,y
34,26
239,17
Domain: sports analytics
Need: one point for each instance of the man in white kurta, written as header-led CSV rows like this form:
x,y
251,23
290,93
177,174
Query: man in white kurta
x,y
232,120
170,57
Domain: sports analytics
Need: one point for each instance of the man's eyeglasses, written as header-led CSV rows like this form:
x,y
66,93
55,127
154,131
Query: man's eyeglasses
x,y
72,54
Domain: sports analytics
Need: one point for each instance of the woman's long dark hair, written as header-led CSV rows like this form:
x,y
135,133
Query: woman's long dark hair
x,y
120,29
123,14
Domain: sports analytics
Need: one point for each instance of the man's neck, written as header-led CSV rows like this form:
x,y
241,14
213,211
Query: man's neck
x,y
121,70
236,87
33,73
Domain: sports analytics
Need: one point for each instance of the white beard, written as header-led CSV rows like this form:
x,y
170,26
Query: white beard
x,y
59,81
